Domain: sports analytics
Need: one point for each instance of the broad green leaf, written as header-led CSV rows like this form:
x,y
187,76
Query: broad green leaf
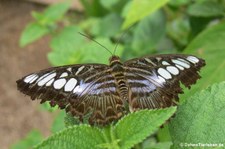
x,y
135,127
77,137
29,141
201,118
126,9
32,32
54,13
206,9
140,9
108,26
149,32
209,45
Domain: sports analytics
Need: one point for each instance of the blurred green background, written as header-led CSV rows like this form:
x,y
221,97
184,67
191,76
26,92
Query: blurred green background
x,y
139,28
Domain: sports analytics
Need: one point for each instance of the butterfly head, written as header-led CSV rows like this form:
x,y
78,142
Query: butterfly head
x,y
114,59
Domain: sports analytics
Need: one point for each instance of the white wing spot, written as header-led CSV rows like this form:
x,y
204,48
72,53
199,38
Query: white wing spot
x,y
29,78
46,79
58,84
149,61
77,89
165,63
178,66
79,70
173,70
165,74
193,59
183,60
69,69
181,63
161,79
65,74
35,78
49,82
70,85
158,59
43,77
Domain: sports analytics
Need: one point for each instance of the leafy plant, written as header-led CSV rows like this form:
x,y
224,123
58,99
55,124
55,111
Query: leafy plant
x,y
203,113
148,27
129,131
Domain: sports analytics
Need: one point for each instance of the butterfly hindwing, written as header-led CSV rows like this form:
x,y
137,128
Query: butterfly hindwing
x,y
78,88
154,81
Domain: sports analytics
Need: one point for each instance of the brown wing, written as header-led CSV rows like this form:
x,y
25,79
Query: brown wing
x,y
154,81
78,88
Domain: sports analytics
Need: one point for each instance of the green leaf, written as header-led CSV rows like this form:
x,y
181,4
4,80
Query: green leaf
x,y
37,16
32,32
201,118
140,9
206,9
54,13
70,120
209,45
163,134
29,141
108,26
47,107
179,29
135,127
77,137
197,25
93,8
149,32
65,46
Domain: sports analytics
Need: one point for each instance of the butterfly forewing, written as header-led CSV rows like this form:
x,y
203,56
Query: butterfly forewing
x,y
154,81
80,89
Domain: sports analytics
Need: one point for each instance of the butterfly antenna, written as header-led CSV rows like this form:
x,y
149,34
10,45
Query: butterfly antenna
x,y
121,37
95,42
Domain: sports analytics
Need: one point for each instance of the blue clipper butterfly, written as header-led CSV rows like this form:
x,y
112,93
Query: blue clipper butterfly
x,y
109,91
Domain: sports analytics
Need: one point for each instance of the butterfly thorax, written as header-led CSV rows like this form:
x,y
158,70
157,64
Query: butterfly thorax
x,y
117,70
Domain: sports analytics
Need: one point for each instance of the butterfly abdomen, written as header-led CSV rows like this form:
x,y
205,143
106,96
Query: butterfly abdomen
x,y
118,74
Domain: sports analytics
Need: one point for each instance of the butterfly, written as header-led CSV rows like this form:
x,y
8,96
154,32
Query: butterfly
x,y
111,91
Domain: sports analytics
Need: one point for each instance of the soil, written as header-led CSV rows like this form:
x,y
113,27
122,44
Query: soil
x,y
18,113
